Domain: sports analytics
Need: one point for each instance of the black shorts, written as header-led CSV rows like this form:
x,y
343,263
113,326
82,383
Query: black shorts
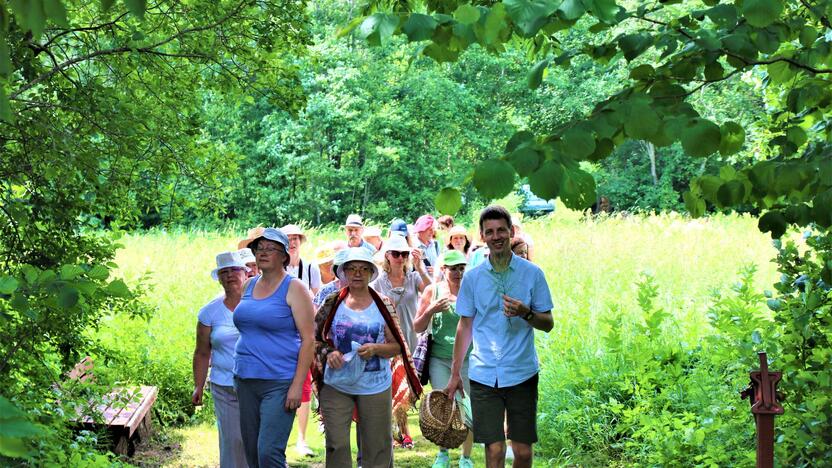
x,y
516,404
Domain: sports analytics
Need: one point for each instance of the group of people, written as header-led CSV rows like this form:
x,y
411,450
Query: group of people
x,y
344,328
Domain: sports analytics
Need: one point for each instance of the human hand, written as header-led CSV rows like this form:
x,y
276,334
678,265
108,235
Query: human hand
x,y
196,397
293,397
367,350
416,258
439,305
454,385
335,359
513,307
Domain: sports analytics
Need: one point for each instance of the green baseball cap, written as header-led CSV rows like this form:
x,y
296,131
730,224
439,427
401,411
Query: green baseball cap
x,y
453,257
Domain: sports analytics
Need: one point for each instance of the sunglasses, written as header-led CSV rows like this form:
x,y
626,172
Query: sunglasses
x,y
395,254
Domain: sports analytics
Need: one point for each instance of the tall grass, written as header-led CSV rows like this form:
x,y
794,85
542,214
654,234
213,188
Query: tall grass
x,y
592,266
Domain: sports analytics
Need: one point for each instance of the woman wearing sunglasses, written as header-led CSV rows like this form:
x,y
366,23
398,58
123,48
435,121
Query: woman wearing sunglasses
x,y
402,284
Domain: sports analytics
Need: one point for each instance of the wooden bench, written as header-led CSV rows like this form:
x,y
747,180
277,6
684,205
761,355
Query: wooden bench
x,y
124,410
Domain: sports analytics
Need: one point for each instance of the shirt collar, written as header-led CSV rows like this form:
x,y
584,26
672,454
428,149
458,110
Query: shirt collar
x,y
512,264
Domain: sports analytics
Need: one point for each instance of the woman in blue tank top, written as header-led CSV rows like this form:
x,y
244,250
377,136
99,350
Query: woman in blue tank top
x,y
273,355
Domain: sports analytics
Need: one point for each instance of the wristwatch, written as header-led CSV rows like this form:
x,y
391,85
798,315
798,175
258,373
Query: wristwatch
x,y
528,315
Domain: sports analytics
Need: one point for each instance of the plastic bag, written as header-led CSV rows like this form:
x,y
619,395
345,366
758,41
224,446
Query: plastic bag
x,y
350,373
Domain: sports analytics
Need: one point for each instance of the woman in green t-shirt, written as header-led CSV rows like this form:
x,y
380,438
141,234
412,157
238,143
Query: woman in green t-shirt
x,y
437,312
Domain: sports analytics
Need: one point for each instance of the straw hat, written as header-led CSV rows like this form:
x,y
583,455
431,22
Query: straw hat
x,y
440,420
458,231
294,230
354,220
252,234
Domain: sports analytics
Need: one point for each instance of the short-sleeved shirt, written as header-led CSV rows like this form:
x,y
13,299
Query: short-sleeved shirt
x,y
406,301
362,326
324,292
504,353
269,339
223,340
307,272
431,251
368,246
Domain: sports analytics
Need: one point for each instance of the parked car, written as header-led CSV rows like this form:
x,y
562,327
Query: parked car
x,y
532,205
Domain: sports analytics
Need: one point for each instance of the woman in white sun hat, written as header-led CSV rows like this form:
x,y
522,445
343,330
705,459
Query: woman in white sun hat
x,y
357,334
216,337
402,284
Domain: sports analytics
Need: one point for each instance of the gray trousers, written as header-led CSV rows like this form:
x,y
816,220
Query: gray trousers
x,y
375,413
227,410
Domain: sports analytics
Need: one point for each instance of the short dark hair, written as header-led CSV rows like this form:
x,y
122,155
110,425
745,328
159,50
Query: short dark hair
x,y
494,212
446,220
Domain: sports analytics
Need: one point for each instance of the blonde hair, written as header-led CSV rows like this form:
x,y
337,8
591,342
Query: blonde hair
x,y
385,264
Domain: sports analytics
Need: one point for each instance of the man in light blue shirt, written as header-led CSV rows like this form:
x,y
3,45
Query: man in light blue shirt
x,y
500,303
354,227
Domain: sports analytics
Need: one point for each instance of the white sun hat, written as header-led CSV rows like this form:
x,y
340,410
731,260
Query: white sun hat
x,y
355,254
294,230
246,255
396,244
228,260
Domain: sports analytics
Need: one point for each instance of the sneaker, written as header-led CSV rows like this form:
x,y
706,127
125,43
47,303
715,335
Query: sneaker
x,y
465,462
407,442
442,460
304,449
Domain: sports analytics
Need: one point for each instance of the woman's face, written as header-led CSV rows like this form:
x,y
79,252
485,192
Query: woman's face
x,y
357,274
295,241
252,269
453,273
270,255
232,278
396,259
458,242
522,251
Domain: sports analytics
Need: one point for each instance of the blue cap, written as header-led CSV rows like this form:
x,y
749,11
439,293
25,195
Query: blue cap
x,y
398,226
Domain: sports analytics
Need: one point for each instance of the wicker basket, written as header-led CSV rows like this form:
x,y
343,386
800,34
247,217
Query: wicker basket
x,y
440,420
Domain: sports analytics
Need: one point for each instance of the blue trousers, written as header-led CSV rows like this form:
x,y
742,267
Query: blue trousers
x,y
264,422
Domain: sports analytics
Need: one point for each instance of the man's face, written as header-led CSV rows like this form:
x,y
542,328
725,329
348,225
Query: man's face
x,y
497,235
294,243
426,235
354,235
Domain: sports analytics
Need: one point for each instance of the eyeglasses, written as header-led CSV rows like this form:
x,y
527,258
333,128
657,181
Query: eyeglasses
x,y
395,254
267,250
353,269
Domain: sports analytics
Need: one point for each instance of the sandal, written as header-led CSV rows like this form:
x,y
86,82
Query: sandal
x,y
407,442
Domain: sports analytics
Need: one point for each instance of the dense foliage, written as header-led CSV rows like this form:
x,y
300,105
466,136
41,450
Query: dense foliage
x,y
101,121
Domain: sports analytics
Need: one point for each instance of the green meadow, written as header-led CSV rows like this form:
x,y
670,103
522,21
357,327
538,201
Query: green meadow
x,y
593,266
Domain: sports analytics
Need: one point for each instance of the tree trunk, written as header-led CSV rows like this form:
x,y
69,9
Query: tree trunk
x,y
650,149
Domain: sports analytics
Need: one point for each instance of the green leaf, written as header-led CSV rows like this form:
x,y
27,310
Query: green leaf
x,y
5,107
136,7
604,10
377,28
5,60
56,11
761,13
701,138
546,182
808,35
349,27
494,23
448,201
35,17
732,137
641,121
11,446
822,209
519,138
767,42
709,185
67,297
69,272
98,272
530,15
579,142
578,191
731,193
695,205
642,72
571,9
419,27
797,136
603,148
8,284
714,71
117,288
723,15
525,160
467,14
493,178
633,45
535,76
107,4
773,222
